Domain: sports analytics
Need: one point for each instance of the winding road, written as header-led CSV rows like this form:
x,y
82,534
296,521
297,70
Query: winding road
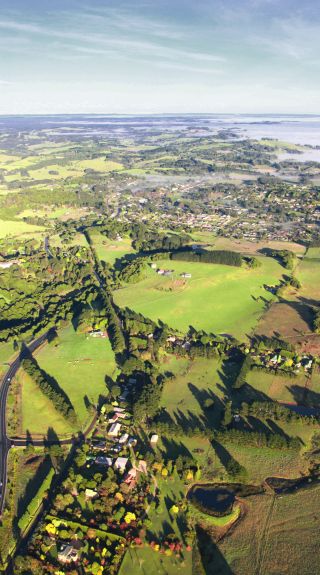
x,y
5,443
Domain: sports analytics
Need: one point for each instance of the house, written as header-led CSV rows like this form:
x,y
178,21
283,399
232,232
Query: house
x,y
130,478
114,430
90,494
142,467
132,442
124,438
153,266
8,264
121,463
103,460
114,418
160,272
119,409
154,439
100,445
68,554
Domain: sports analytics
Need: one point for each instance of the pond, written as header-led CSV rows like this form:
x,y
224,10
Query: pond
x,y
218,498
283,486
214,499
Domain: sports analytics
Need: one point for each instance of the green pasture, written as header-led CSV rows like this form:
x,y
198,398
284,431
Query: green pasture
x,y
195,381
79,364
218,298
16,228
37,411
308,272
276,536
148,561
110,250
6,353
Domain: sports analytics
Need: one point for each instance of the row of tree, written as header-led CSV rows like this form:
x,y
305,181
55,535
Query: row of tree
x,y
49,386
225,257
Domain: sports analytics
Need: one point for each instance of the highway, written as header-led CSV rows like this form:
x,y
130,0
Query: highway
x,y
5,443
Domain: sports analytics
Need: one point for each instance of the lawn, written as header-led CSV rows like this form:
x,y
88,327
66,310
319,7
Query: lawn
x,y
6,352
33,401
194,381
276,387
218,298
149,562
79,364
146,560
110,250
16,228
308,272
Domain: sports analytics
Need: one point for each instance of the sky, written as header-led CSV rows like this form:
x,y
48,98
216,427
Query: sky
x,y
159,56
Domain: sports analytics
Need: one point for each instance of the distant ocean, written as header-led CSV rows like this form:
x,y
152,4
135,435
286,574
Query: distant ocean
x,y
297,129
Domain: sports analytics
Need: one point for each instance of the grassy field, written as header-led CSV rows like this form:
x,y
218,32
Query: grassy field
x,y
147,561
246,246
193,383
276,537
110,250
218,298
308,272
6,352
292,318
16,228
79,364
34,402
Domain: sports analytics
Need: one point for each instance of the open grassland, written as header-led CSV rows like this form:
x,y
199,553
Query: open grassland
x,y
16,228
248,247
194,381
308,272
149,562
262,462
79,364
6,353
301,390
77,240
110,250
218,298
292,318
38,413
277,536
54,170
288,390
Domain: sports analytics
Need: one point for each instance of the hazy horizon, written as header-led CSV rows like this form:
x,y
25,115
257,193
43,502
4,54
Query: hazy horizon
x,y
141,57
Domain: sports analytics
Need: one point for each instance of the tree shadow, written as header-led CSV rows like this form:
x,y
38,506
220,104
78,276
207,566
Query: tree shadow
x,y
304,396
32,486
213,561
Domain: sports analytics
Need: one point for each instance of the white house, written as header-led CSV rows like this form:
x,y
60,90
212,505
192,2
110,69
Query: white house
x,y
114,430
121,463
154,439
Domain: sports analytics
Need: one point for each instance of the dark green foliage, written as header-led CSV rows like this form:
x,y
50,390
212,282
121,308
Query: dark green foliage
x,y
316,321
134,271
245,368
224,257
114,323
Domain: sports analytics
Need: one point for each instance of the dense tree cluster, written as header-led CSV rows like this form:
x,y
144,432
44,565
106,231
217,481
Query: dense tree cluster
x,y
224,257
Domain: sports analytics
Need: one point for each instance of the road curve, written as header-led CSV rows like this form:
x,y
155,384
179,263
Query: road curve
x,y
5,442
